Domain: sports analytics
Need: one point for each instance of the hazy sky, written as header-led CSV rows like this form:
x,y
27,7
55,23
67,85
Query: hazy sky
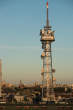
x,y
20,46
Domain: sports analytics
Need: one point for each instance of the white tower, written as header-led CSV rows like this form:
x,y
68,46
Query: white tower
x,y
42,73
47,37
0,75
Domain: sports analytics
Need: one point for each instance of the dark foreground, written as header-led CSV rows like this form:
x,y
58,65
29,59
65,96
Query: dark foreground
x,y
36,107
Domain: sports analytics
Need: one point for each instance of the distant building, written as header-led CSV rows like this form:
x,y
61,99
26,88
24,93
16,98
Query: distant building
x,y
19,98
21,85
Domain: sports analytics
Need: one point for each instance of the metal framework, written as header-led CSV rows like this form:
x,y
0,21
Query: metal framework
x,y
47,37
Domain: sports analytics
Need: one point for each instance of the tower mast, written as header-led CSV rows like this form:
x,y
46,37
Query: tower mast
x,y
47,37
47,21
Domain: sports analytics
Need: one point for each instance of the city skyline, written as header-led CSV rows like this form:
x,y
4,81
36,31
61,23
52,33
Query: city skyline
x,y
20,47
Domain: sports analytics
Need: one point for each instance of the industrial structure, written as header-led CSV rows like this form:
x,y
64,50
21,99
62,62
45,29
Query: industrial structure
x,y
0,75
47,37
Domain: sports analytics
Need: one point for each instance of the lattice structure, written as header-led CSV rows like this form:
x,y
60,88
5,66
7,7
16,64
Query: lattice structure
x,y
47,37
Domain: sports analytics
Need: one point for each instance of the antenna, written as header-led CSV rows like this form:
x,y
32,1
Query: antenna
x,y
47,21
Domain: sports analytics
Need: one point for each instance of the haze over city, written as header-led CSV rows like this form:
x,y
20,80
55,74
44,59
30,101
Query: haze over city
x,y
20,46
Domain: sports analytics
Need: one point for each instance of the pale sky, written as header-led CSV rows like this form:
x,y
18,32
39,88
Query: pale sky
x,y
20,46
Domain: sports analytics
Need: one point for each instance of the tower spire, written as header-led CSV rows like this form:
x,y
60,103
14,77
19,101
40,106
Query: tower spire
x,y
47,21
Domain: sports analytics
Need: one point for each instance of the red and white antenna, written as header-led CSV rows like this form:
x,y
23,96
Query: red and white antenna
x,y
47,21
47,4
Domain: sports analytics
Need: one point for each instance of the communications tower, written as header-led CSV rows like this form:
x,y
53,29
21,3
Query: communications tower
x,y
47,37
